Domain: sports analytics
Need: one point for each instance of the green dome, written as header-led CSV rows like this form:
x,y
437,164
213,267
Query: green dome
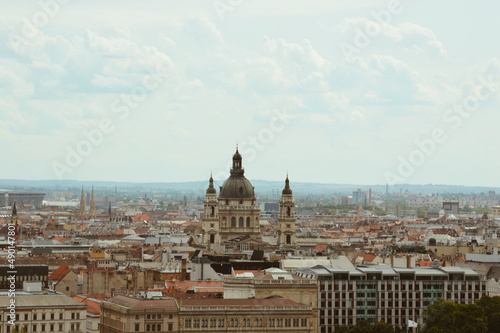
x,y
236,187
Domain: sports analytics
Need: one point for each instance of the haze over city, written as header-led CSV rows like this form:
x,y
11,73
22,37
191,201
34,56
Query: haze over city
x,y
370,92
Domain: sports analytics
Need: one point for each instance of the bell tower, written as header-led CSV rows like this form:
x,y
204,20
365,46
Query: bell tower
x,y
286,219
211,216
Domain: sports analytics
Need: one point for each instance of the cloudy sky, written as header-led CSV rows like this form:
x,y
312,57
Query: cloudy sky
x,y
364,92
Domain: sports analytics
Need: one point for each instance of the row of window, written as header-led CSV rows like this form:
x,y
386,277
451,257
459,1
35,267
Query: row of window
x,y
246,322
3,278
241,223
400,295
43,316
408,285
44,328
195,323
154,327
154,316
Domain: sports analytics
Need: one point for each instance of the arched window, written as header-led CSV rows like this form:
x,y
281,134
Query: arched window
x,y
212,210
233,222
212,239
240,222
288,239
288,211
223,221
248,222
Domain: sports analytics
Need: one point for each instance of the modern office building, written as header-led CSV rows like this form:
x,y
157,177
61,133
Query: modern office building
x,y
358,197
450,207
393,295
8,197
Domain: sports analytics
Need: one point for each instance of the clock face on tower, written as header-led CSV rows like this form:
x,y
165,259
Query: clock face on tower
x,y
288,226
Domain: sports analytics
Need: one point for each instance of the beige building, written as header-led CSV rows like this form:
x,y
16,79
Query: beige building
x,y
64,280
43,311
451,250
101,281
273,282
496,211
247,315
127,314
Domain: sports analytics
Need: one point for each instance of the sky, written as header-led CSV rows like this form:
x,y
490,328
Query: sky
x,y
351,92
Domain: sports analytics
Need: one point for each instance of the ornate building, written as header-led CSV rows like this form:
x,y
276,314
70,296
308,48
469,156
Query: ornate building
x,y
232,218
286,219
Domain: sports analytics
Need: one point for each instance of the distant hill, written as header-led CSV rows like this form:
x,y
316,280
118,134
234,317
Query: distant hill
x,y
261,186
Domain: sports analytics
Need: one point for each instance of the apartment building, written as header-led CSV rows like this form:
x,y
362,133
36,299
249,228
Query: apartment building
x,y
43,311
393,295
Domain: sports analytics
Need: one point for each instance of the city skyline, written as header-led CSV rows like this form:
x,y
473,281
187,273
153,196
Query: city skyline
x,y
369,93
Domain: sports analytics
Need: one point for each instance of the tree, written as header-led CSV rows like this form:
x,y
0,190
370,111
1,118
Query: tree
x,y
491,308
448,317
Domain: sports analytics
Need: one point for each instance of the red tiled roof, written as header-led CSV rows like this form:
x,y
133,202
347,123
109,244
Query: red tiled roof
x,y
186,285
365,256
241,272
60,239
143,303
59,273
321,247
93,307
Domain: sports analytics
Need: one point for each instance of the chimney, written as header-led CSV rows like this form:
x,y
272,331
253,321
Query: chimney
x,y
392,260
183,269
408,261
370,196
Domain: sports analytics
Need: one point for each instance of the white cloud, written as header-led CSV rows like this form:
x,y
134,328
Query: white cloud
x,y
224,81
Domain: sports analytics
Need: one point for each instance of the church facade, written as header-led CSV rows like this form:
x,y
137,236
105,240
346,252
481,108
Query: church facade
x,y
231,218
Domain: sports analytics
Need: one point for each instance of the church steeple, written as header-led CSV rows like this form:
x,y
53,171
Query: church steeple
x,y
81,213
210,224
14,220
92,211
286,219
211,188
287,189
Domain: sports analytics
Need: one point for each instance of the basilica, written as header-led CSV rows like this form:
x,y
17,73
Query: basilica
x,y
231,219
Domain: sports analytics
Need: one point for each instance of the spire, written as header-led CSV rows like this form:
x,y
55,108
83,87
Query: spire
x,y
211,188
14,209
15,220
92,212
81,213
287,189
